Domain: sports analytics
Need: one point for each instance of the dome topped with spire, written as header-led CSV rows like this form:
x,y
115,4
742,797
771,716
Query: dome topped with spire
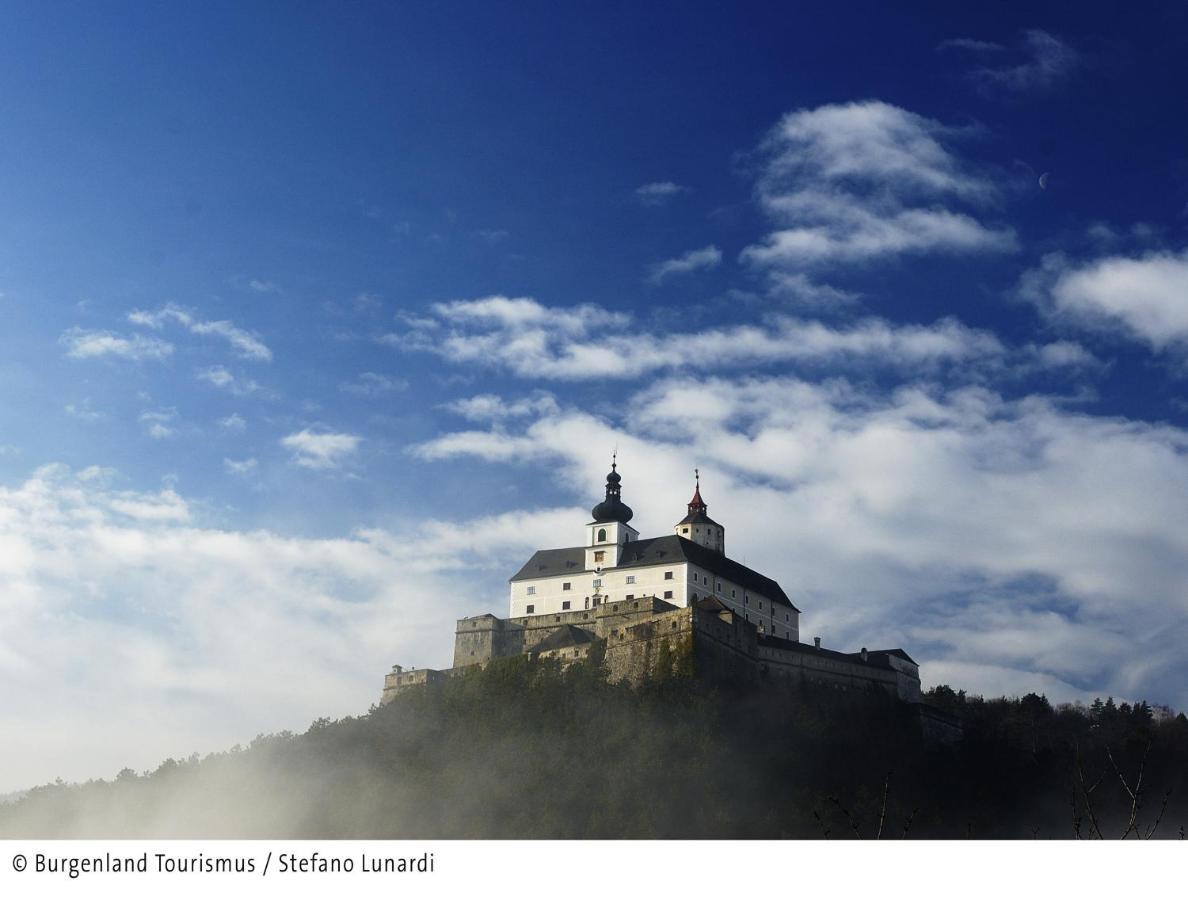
x,y
612,509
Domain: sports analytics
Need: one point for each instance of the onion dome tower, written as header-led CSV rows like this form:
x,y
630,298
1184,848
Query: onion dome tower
x,y
697,526
609,531
613,509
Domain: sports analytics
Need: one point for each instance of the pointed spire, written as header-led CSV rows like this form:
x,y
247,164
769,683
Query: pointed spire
x,y
697,504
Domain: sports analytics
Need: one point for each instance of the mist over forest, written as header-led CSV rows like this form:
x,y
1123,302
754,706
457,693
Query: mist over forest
x,y
523,749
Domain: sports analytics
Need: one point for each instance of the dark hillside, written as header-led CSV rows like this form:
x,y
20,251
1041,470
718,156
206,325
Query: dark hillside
x,y
523,750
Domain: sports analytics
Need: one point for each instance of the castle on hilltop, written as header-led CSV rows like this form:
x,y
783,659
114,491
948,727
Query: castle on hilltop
x,y
674,604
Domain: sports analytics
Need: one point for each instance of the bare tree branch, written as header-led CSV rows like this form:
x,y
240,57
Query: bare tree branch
x,y
825,829
907,824
846,813
883,811
1086,791
1136,793
1159,818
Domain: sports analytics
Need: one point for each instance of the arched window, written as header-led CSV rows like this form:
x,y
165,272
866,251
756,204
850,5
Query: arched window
x,y
601,535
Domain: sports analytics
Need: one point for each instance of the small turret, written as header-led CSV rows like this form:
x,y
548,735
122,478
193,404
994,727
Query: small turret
x,y
697,526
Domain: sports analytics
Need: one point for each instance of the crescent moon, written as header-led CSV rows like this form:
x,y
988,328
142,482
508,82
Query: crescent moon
x,y
1043,181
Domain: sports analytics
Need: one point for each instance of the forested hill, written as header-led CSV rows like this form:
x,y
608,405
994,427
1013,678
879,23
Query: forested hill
x,y
522,750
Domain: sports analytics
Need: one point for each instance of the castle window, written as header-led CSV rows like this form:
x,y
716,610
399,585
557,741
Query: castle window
x,y
746,601
668,595
531,609
719,586
597,582
531,589
565,604
684,531
565,585
705,579
601,535
599,555
732,593
761,604
668,576
631,579
631,597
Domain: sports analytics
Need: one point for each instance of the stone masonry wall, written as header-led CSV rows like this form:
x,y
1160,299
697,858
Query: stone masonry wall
x,y
640,634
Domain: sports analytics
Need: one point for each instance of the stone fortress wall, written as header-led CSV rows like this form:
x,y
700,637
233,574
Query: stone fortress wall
x,y
706,641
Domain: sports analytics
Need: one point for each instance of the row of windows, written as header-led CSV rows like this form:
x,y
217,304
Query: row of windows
x,y
568,585
566,605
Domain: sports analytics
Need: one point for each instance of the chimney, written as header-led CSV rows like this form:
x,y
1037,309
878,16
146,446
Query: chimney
x,y
817,643
864,654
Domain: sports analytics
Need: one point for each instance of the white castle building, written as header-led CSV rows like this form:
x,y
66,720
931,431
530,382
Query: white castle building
x,y
644,608
682,568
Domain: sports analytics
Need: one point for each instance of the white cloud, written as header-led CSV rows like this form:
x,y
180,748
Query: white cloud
x,y
152,635
82,343
222,378
263,287
806,293
233,422
83,411
1066,353
1039,61
657,193
245,344
371,384
976,46
240,466
493,408
535,341
695,260
1145,297
320,449
1018,541
158,423
858,182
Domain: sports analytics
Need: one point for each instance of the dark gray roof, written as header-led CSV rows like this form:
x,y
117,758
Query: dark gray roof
x,y
698,517
876,658
883,654
565,636
670,548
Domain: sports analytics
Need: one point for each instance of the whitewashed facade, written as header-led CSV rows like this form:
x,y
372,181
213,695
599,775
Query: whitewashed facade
x,y
615,565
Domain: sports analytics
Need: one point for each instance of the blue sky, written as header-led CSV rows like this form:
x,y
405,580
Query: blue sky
x,y
315,319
